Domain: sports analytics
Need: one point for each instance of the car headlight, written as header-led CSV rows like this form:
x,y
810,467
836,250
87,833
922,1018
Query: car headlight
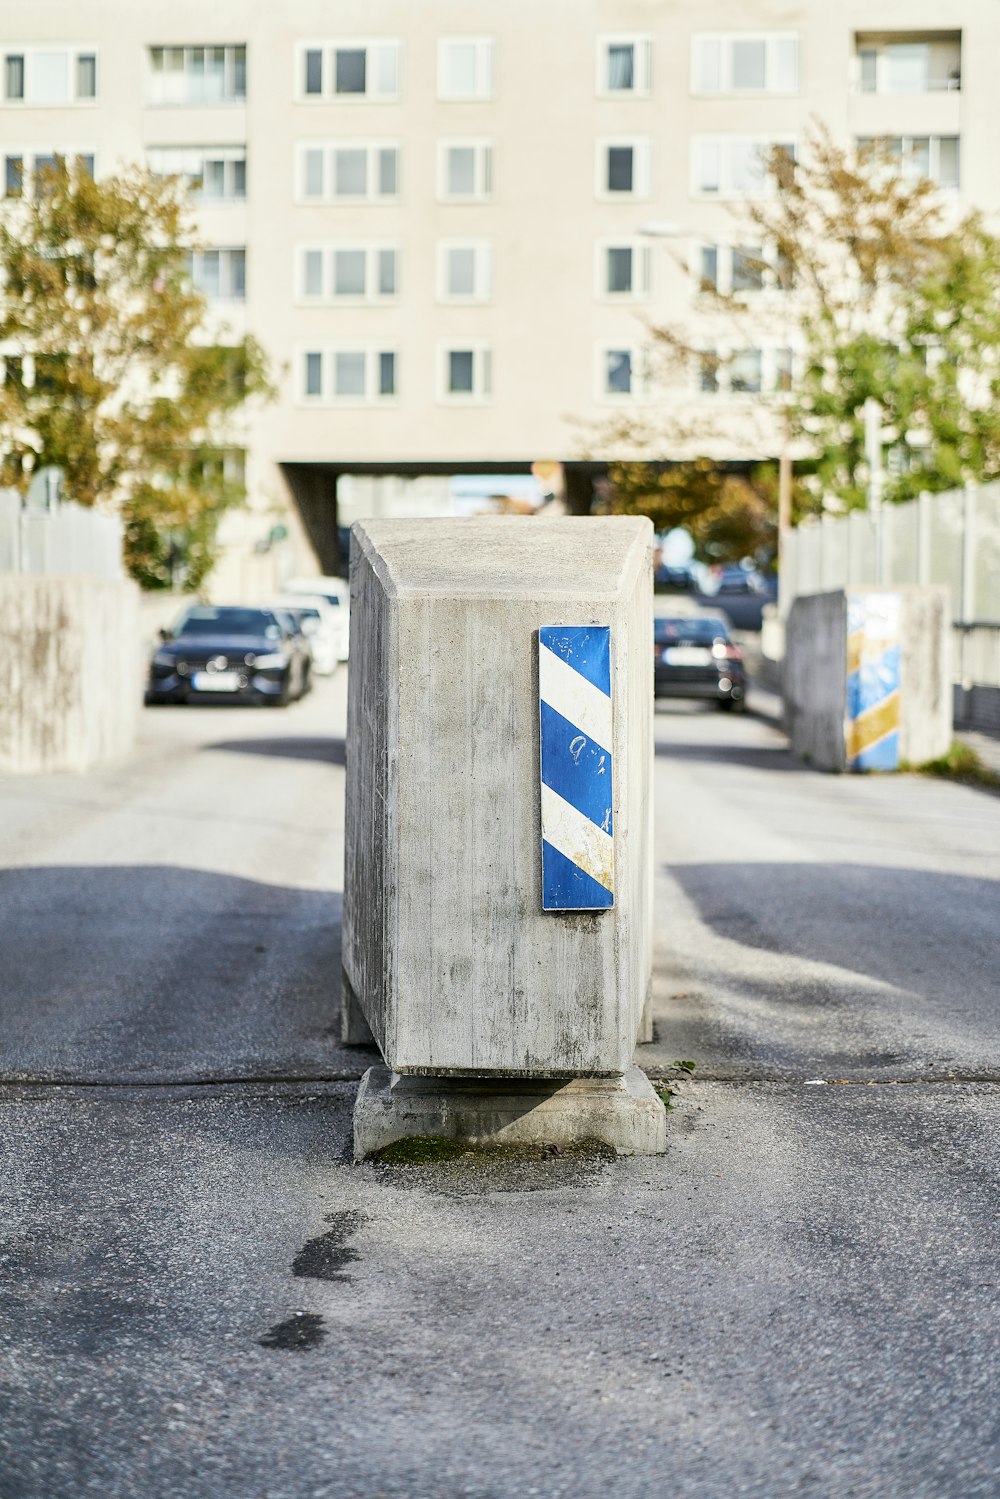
x,y
275,658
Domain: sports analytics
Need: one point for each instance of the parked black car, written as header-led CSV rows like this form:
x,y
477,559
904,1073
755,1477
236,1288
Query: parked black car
x,y
230,654
695,657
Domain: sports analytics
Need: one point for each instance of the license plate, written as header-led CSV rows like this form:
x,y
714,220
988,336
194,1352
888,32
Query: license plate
x,y
216,681
687,655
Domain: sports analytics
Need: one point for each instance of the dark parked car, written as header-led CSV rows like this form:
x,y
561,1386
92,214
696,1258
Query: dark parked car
x,y
230,654
695,657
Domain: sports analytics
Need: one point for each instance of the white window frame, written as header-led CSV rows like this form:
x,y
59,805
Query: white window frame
x,y
642,65
29,155
228,250
72,53
642,269
880,48
641,146
640,369
344,143
724,139
770,365
483,169
726,40
374,48
933,156
229,98
327,396
482,271
484,68
328,297
482,371
725,252
188,163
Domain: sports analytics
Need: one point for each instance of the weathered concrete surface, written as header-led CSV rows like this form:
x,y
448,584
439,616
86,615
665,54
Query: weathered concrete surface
x,y
816,668
446,947
72,654
623,1113
814,678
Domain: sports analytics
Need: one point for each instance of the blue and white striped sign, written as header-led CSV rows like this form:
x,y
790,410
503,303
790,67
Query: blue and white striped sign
x,y
574,689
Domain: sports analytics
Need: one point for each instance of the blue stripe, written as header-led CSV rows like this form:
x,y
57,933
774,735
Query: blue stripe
x,y
587,648
873,682
882,755
566,887
576,767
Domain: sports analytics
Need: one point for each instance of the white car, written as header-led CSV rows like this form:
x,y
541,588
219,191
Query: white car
x,y
337,595
320,625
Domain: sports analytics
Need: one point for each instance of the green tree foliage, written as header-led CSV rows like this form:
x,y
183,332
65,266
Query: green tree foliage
x,y
893,299
116,380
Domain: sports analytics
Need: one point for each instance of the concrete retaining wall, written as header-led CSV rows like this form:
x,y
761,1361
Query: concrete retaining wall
x,y
73,662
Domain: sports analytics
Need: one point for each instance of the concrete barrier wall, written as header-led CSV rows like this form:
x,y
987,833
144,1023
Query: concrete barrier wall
x,y
74,666
913,711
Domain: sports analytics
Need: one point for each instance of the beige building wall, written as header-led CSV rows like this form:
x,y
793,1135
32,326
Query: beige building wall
x,y
545,322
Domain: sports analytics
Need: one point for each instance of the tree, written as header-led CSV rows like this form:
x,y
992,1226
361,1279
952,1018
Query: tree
x,y
893,300
729,514
886,295
116,380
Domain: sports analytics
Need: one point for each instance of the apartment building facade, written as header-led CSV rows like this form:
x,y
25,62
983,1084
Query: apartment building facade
x,y
451,224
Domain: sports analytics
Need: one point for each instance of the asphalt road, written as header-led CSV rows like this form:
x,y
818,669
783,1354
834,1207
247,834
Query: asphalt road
x,y
201,1296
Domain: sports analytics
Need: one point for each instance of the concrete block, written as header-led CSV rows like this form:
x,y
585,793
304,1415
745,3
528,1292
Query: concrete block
x,y
73,686
867,681
448,953
622,1112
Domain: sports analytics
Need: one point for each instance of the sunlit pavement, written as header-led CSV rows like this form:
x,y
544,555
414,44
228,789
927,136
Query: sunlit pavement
x,y
201,1296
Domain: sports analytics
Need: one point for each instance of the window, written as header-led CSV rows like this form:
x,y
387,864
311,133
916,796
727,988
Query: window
x,y
328,171
44,75
731,166
465,270
623,269
744,371
740,268
465,169
466,372
22,167
936,157
346,70
465,67
914,63
623,168
219,274
622,372
349,375
624,65
764,62
218,174
198,75
348,272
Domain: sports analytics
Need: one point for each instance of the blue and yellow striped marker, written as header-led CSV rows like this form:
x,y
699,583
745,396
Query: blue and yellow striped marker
x,y
873,702
574,689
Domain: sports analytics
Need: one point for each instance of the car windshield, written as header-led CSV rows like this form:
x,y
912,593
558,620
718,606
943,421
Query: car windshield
x,y
208,621
701,630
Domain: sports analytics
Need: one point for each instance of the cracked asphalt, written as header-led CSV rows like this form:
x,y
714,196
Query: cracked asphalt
x,y
200,1295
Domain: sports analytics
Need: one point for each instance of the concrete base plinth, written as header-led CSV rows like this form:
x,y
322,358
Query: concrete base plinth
x,y
622,1112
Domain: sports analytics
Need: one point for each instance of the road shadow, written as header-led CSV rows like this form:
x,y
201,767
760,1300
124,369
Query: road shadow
x,y
933,934
776,757
154,972
328,751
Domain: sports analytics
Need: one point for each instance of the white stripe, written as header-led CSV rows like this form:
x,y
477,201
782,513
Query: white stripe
x,y
574,835
585,706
